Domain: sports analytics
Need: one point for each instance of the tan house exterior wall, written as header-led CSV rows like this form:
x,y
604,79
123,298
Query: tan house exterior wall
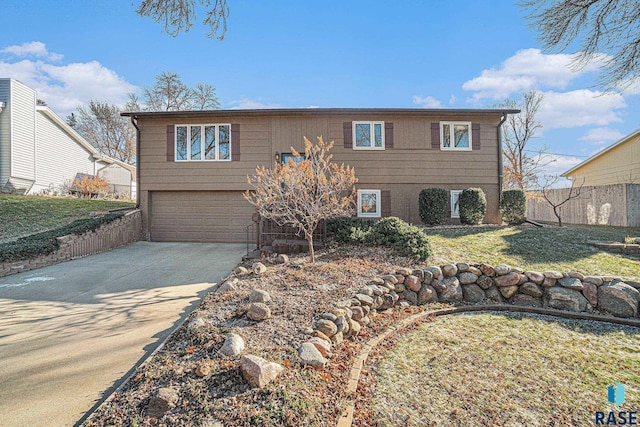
x,y
404,170
618,165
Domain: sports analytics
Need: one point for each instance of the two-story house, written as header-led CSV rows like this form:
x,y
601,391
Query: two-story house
x,y
194,165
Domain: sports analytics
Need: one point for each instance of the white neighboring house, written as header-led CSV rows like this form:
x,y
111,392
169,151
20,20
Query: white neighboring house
x,y
40,153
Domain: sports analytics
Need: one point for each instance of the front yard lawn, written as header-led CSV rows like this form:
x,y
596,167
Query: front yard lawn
x,y
507,370
541,249
24,215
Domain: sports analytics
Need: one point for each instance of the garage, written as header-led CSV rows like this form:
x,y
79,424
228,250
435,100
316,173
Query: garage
x,y
199,216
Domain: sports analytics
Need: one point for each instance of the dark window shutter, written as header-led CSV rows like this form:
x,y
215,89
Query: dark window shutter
x,y
348,134
171,143
388,135
435,136
235,142
475,136
385,203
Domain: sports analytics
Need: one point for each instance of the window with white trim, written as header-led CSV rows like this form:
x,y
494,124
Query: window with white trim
x,y
455,203
368,135
369,205
210,142
455,136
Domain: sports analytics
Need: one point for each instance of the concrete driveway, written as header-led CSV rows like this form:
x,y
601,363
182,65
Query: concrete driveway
x,y
70,333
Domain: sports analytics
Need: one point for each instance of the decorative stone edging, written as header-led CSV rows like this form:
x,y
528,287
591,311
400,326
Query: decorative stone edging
x,y
625,248
346,419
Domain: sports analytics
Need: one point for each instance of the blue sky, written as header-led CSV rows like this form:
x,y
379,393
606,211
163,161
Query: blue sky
x,y
407,53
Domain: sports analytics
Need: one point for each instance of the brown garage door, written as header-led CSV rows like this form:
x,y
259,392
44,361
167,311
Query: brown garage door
x,y
199,216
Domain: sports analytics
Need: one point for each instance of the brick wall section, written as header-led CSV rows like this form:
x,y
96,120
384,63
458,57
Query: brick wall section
x,y
117,233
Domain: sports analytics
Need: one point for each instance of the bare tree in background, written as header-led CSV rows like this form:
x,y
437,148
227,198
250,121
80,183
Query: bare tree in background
x,y
177,16
554,198
102,126
169,93
522,166
611,27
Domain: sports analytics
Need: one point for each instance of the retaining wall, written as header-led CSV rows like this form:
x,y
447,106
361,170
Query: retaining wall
x,y
119,232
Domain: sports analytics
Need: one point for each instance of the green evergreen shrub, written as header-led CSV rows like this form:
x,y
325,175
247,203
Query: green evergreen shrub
x,y
513,206
432,205
472,206
348,230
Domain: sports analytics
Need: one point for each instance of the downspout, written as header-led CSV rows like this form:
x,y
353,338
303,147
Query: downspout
x,y
500,175
134,122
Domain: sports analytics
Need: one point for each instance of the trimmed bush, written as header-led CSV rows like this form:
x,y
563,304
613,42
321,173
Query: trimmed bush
x,y
472,206
46,242
392,232
348,230
404,239
432,205
513,206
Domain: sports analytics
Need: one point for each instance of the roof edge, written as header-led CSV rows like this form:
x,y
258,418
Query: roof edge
x,y
600,153
280,111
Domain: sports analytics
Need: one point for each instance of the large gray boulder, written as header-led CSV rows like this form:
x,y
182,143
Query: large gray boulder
x,y
619,299
451,290
310,355
427,295
259,372
473,293
233,345
565,299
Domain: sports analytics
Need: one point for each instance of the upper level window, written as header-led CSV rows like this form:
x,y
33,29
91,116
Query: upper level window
x,y
455,136
368,135
203,142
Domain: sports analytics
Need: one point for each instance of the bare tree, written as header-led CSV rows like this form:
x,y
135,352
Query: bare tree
x,y
600,26
177,16
555,199
169,93
522,166
102,126
303,192
203,97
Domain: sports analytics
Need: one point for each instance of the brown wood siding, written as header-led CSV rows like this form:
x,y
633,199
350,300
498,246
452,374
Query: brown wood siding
x,y
196,216
409,167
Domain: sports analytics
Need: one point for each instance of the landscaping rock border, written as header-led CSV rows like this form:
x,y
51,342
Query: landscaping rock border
x,y
464,283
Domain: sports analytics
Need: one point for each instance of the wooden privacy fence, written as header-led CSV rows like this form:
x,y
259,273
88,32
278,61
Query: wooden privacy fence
x,y
615,205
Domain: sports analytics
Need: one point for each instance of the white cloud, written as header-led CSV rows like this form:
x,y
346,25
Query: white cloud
x,y
37,49
601,136
582,107
555,165
528,69
452,99
64,87
426,101
247,104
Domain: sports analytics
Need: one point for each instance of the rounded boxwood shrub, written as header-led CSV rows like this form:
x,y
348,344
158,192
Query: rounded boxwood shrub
x,y
348,230
404,239
513,206
432,205
472,205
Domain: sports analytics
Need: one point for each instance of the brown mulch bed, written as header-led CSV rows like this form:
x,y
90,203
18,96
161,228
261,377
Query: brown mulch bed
x,y
300,293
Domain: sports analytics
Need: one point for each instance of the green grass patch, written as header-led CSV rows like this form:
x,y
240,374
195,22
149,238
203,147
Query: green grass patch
x,y
632,240
24,215
507,370
551,248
